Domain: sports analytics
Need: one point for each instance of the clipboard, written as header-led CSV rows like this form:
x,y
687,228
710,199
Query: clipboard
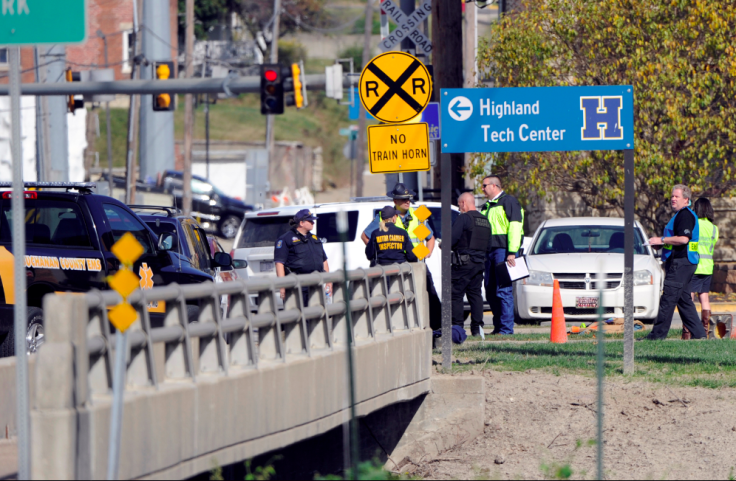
x,y
506,274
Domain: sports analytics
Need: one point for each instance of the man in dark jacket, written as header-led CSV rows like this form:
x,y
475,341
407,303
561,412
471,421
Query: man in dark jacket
x,y
471,233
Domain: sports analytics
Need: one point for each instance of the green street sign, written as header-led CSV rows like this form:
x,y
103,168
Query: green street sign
x,y
31,22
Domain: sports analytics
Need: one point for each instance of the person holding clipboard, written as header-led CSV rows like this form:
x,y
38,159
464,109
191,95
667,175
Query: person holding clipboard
x,y
506,217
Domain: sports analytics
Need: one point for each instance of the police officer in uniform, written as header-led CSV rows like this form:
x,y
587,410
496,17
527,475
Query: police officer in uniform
x,y
389,244
300,252
408,221
680,253
471,233
506,217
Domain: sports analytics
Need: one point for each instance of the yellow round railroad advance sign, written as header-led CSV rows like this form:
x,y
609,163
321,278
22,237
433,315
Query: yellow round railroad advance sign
x,y
395,87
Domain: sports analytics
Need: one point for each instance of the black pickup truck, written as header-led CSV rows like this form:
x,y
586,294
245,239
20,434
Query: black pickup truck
x,y
69,235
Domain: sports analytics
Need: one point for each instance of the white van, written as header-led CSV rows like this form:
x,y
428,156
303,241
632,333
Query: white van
x,y
257,235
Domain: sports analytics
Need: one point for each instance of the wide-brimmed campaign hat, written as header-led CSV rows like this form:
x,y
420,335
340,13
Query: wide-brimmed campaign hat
x,y
401,192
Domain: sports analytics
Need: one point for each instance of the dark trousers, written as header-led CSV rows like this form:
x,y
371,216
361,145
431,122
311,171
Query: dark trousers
x,y
467,280
500,294
435,305
676,292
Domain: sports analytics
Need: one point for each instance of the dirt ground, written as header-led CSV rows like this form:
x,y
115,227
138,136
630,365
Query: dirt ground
x,y
536,424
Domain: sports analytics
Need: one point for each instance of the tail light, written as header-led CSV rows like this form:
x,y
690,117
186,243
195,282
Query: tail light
x,y
27,195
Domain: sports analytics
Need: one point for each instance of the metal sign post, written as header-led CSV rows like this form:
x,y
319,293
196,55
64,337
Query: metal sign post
x,y
19,255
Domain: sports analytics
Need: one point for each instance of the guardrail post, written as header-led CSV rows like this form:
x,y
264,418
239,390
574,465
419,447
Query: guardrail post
x,y
381,319
242,343
363,319
319,332
269,345
141,366
419,288
60,388
394,284
410,286
211,347
100,365
179,359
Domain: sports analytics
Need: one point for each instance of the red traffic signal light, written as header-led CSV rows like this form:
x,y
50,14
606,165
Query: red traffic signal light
x,y
272,90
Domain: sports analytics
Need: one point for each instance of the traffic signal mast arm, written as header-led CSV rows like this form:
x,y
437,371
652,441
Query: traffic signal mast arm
x,y
236,85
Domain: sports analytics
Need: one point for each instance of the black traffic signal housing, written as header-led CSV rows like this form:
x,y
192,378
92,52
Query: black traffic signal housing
x,y
73,104
163,102
294,84
272,89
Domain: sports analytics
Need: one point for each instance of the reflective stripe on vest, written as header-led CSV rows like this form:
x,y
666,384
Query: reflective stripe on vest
x,y
692,246
706,246
413,224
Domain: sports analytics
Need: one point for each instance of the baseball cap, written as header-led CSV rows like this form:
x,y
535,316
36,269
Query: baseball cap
x,y
304,214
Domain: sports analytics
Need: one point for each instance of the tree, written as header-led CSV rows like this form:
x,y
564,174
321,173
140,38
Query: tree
x,y
679,55
207,14
257,14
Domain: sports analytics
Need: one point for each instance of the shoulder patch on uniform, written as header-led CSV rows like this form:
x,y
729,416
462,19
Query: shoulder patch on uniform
x,y
315,237
279,244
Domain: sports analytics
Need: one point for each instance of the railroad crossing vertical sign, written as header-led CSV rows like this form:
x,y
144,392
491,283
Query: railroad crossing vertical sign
x,y
31,22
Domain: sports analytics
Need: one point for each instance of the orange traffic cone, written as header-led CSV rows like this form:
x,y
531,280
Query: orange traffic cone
x,y
558,334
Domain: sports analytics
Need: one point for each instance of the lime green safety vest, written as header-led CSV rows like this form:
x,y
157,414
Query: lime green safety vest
x,y
706,246
413,224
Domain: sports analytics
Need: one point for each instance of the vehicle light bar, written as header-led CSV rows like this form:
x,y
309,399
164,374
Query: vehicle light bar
x,y
26,195
55,185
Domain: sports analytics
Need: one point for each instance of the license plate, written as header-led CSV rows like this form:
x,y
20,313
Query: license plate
x,y
586,302
266,266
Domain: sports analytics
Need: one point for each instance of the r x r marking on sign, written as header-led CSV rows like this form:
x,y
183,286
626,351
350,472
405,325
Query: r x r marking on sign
x,y
395,87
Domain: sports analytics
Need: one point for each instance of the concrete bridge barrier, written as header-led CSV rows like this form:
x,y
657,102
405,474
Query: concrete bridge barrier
x,y
223,389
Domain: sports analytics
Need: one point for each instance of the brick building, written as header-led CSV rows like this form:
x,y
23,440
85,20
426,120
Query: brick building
x,y
114,19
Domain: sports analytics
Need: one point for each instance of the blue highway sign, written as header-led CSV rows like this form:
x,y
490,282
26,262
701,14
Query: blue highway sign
x,y
537,119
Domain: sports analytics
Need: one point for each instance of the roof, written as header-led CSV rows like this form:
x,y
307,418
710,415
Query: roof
x,y
291,210
583,221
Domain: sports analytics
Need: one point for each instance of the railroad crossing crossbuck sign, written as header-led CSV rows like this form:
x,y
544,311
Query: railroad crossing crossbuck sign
x,y
395,87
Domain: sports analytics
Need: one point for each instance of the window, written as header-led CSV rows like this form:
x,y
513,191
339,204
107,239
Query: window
x,y
201,188
127,51
327,226
584,239
3,55
196,239
51,223
166,228
263,231
122,221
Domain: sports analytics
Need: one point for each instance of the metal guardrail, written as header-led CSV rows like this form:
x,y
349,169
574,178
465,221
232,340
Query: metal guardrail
x,y
382,301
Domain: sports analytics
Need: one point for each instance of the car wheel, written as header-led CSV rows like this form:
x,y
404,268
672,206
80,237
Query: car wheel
x,y
229,226
34,334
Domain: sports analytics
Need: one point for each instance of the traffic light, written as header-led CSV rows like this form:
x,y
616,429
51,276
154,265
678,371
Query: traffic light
x,y
295,84
73,104
272,89
163,102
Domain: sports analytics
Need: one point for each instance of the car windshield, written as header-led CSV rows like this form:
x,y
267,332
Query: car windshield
x,y
585,239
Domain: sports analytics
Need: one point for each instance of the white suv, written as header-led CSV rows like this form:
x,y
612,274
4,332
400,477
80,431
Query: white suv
x,y
257,235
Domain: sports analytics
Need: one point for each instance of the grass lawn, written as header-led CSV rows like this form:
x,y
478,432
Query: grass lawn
x,y
240,119
709,364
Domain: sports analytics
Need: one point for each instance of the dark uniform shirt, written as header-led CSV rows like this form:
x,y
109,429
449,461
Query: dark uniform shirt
x,y
300,254
462,232
391,247
684,226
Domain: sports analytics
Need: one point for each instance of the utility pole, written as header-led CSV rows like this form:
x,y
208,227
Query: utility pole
x,y
188,112
448,73
130,174
157,128
55,134
40,157
362,120
274,59
111,183
470,64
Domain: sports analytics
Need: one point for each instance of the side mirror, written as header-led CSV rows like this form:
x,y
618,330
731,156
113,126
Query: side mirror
x,y
240,264
166,241
222,259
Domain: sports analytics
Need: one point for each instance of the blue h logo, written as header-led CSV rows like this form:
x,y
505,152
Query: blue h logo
x,y
601,122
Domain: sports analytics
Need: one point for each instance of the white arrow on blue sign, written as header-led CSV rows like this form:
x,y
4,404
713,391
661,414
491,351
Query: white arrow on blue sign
x,y
537,119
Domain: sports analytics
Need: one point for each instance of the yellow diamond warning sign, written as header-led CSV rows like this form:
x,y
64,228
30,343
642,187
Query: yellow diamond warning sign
x,y
395,87
398,148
